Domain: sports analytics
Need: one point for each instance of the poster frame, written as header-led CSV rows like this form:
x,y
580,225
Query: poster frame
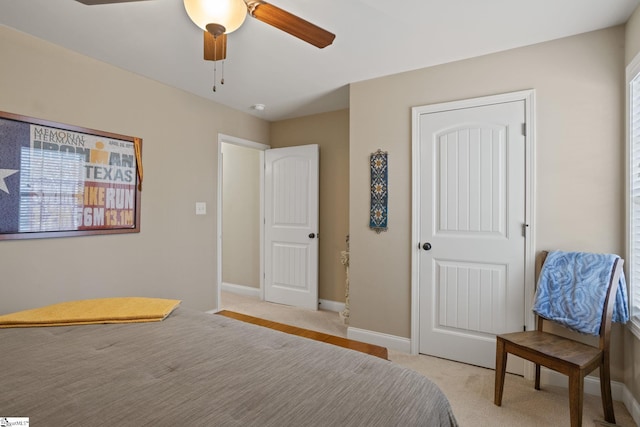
x,y
87,230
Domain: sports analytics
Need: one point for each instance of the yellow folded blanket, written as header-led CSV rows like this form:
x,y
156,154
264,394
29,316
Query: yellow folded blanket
x,y
92,311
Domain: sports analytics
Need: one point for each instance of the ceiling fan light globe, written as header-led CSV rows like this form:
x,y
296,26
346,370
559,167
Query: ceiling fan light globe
x,y
228,13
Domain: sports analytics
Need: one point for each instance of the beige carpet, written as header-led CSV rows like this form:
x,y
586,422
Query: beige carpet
x,y
469,388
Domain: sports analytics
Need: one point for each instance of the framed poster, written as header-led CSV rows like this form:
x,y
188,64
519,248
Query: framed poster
x,y
58,180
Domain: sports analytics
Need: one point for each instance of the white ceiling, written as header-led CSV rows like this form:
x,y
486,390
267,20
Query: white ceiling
x,y
156,39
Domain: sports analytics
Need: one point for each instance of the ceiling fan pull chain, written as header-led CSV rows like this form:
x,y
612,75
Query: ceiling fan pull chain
x,y
214,75
215,55
222,79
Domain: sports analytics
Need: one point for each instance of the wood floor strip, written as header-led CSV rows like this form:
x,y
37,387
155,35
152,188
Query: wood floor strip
x,y
371,349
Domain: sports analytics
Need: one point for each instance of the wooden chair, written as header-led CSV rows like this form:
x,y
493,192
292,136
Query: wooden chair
x,y
564,355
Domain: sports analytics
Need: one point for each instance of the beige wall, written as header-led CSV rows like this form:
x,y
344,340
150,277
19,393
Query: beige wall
x,y
632,37
579,159
174,254
331,132
632,343
240,215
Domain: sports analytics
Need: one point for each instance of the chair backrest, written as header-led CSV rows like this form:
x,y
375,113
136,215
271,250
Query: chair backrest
x,y
607,312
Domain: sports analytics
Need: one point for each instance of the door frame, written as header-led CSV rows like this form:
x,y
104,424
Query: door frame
x,y
222,138
528,96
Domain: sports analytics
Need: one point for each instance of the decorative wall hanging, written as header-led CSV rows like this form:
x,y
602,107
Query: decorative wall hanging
x,y
58,180
379,179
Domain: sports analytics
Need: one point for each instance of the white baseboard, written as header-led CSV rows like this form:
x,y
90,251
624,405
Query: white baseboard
x,y
390,341
324,304
591,384
632,405
241,289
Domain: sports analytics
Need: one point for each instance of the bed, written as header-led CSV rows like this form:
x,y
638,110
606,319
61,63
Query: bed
x,y
198,369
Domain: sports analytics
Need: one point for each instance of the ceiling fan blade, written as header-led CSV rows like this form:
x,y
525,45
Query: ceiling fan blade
x,y
290,23
215,48
95,2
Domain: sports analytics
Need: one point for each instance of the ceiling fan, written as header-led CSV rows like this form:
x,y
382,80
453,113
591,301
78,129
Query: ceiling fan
x,y
220,17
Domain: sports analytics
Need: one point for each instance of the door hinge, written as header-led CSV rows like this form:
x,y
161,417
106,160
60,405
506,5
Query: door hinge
x,y
524,129
524,230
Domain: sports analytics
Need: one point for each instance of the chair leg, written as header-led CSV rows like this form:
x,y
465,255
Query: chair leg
x,y
605,391
501,367
537,385
576,392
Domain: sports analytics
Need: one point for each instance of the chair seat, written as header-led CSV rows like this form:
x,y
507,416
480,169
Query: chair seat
x,y
552,347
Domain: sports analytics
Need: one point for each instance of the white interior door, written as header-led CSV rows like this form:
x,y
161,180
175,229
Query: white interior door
x,y
472,230
291,226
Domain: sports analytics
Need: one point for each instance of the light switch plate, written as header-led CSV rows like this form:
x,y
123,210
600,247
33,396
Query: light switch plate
x,y
201,208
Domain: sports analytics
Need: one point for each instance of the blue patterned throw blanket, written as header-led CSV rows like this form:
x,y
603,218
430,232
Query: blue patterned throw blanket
x,y
572,289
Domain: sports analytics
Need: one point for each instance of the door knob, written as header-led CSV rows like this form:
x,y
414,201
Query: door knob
x,y
426,246
312,235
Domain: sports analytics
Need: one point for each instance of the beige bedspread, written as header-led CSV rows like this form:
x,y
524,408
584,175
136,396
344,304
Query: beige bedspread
x,y
196,369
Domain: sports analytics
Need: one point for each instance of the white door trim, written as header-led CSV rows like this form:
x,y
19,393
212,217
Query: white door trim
x,y
528,96
249,144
